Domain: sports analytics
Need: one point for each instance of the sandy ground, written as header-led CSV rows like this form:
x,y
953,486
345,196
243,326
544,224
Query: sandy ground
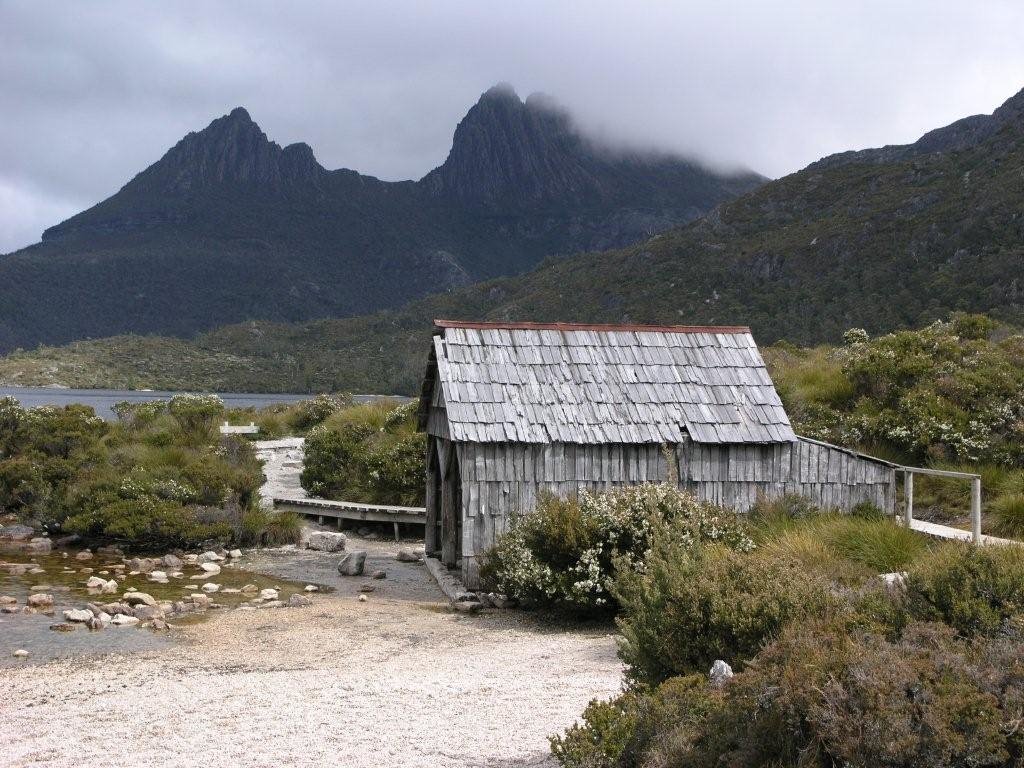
x,y
399,680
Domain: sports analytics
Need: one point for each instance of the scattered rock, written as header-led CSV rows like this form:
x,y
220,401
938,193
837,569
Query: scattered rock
x,y
17,569
110,549
211,569
40,588
172,561
895,581
720,673
85,554
234,554
272,604
408,556
366,587
230,591
159,624
148,612
200,600
80,570
115,608
21,653
66,541
468,606
210,557
123,620
16,532
268,594
363,598
250,588
191,559
80,615
139,598
8,600
299,601
326,541
495,600
158,576
379,575
40,600
64,626
352,563
309,588
39,544
98,622
211,588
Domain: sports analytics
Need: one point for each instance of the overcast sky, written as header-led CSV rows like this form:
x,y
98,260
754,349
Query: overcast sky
x,y
92,92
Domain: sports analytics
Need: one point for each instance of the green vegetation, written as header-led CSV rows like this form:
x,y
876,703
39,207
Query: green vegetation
x,y
568,552
832,666
162,476
369,452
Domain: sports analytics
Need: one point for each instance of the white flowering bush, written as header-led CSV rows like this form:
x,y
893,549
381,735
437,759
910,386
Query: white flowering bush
x,y
568,551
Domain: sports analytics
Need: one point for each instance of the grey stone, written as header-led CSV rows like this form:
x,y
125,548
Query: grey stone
x,y
720,673
63,627
16,532
139,598
379,575
40,600
408,556
173,562
326,541
80,615
352,564
299,601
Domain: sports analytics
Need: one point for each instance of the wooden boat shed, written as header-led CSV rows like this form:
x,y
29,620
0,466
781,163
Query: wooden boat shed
x,y
515,409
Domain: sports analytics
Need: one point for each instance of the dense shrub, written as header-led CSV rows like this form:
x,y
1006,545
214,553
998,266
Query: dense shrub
x,y
369,453
973,589
568,551
953,391
824,693
149,480
691,606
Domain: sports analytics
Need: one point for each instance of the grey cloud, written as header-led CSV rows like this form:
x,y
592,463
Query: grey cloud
x,y
91,93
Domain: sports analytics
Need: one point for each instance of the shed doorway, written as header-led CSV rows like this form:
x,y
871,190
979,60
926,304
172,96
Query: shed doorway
x,y
451,510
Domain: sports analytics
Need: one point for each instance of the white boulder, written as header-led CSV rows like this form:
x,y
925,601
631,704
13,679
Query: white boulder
x,y
326,541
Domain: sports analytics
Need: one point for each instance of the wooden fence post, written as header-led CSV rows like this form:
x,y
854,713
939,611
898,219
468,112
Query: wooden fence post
x,y
976,509
908,497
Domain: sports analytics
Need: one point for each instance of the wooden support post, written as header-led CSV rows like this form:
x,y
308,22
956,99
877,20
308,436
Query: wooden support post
x,y
449,512
432,500
908,497
976,509
320,519
398,536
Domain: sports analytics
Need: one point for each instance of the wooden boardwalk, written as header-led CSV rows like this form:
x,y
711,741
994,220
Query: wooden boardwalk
x,y
339,511
948,532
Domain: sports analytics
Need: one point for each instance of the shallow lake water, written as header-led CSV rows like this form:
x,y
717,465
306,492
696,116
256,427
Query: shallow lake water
x,y
64,578
103,400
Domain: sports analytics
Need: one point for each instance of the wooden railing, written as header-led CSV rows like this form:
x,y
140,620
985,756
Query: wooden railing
x,y
908,495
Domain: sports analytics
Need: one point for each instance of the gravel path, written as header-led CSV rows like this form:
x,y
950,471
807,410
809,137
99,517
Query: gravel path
x,y
399,680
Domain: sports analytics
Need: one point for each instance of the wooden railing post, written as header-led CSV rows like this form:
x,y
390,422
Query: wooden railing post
x,y
976,509
908,497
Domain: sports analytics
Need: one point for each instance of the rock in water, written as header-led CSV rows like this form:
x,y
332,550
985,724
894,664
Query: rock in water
x,y
121,620
21,653
173,562
139,598
720,673
16,532
210,569
40,600
352,563
78,615
326,541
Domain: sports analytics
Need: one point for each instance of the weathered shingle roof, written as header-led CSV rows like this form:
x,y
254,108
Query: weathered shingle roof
x,y
539,383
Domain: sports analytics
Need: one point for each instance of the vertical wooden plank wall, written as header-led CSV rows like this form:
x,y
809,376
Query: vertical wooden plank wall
x,y
501,481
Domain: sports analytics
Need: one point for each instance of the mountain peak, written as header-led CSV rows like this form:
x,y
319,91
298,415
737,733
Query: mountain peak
x,y
231,149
